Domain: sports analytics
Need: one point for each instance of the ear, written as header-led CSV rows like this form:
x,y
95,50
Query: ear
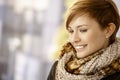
x,y
110,30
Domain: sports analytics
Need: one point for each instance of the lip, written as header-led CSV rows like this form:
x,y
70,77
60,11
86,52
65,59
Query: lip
x,y
80,47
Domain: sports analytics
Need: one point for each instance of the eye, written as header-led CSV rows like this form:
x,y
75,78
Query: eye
x,y
83,30
70,31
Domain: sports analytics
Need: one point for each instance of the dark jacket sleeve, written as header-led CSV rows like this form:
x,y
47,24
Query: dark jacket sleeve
x,y
115,76
51,75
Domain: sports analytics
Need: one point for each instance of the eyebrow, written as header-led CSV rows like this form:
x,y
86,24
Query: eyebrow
x,y
78,26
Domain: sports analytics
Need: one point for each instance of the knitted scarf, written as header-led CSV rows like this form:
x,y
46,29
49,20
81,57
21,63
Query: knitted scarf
x,y
94,67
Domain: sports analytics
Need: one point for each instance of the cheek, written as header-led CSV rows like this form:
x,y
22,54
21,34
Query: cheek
x,y
95,38
70,38
90,37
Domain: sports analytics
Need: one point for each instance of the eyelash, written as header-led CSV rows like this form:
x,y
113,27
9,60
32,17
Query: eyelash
x,y
81,30
71,31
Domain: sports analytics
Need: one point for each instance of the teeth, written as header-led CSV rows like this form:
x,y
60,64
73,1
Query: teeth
x,y
79,47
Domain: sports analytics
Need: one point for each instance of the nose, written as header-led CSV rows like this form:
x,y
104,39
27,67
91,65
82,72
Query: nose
x,y
75,38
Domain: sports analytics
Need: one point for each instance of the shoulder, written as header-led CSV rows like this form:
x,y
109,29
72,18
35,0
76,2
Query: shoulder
x,y
115,76
51,75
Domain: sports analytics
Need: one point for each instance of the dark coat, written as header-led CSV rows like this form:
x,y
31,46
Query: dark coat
x,y
51,75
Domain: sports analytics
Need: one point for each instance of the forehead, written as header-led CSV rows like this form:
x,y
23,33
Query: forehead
x,y
83,20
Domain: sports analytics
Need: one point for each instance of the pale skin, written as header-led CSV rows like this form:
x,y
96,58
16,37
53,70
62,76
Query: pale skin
x,y
86,35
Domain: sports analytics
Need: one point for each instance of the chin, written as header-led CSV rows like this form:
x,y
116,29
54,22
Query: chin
x,y
81,56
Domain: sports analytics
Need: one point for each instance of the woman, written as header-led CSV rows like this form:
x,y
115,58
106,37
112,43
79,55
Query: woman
x,y
93,52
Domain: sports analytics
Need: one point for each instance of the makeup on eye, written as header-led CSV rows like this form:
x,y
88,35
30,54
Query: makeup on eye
x,y
70,30
83,30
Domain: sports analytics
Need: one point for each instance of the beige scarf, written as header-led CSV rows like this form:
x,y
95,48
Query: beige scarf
x,y
94,67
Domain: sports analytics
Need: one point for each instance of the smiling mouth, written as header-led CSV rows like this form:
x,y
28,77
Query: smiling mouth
x,y
80,47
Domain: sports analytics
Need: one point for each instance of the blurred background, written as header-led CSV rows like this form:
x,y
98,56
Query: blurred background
x,y
31,35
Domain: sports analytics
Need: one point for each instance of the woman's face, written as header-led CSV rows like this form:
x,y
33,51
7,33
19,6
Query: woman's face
x,y
86,35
